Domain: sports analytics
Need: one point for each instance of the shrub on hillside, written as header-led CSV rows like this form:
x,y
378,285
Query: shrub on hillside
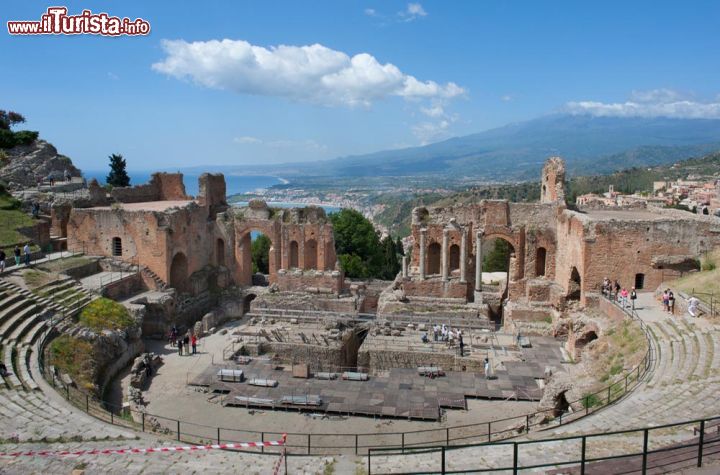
x,y
106,314
9,139
707,264
74,357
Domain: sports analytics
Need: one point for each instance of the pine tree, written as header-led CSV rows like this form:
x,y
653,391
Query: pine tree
x,y
118,174
399,247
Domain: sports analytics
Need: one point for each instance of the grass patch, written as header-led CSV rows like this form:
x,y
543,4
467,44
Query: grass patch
x,y
106,314
61,265
705,281
35,278
591,400
74,357
622,346
11,218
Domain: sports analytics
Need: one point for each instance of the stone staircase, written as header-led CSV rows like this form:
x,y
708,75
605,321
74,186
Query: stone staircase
x,y
66,295
30,409
159,283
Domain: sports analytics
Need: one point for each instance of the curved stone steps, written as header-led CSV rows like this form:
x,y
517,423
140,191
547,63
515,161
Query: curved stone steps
x,y
25,325
18,305
7,328
33,333
12,379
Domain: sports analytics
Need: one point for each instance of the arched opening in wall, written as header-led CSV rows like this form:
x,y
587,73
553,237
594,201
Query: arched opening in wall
x,y
294,255
179,273
575,285
246,303
540,261
433,259
219,252
454,257
639,281
311,254
116,247
497,254
260,254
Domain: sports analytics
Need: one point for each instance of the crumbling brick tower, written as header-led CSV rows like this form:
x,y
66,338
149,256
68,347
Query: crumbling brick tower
x,y
553,181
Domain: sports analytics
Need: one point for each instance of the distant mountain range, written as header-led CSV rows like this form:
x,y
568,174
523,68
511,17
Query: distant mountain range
x,y
517,151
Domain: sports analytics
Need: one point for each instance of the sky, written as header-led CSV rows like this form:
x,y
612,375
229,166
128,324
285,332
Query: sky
x,y
247,83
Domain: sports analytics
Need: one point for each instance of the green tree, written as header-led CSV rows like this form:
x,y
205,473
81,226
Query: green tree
x,y
497,260
118,171
10,118
260,250
391,259
399,246
357,244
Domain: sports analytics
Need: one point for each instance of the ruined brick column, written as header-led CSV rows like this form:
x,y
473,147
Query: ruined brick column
x,y
421,266
463,256
444,254
478,267
404,266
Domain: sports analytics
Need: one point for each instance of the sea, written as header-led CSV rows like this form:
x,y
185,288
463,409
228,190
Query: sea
x,y
234,184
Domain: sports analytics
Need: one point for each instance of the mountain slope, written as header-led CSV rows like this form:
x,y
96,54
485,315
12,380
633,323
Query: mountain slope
x,y
517,151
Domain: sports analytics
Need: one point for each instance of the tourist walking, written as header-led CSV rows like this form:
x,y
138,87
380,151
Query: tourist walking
x,y
487,368
186,344
2,260
16,251
616,286
624,297
180,345
193,342
461,343
173,336
633,297
671,302
666,301
26,250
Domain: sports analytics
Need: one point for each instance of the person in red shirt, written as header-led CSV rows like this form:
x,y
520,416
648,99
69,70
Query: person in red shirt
x,y
193,342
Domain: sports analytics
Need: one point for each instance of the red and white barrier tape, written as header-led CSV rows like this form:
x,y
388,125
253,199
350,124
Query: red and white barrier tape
x,y
276,468
182,448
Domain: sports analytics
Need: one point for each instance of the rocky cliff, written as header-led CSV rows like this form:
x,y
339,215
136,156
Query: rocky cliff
x,y
25,163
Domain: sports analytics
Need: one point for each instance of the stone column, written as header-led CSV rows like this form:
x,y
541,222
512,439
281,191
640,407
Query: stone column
x,y
478,268
463,256
421,266
404,267
444,261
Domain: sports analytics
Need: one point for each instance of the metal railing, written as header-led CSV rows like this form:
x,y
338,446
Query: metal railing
x,y
360,443
636,450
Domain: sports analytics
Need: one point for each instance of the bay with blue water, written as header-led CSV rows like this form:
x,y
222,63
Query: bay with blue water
x,y
234,184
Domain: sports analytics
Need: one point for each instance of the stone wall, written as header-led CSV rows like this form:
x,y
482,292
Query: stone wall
x,y
162,187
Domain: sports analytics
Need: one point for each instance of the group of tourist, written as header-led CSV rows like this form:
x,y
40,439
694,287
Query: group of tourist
x,y
444,333
39,179
614,291
20,255
184,343
668,301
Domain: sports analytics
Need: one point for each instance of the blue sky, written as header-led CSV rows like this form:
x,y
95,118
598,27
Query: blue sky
x,y
380,74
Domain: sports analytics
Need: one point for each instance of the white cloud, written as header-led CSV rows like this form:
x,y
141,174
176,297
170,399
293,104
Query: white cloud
x,y
428,132
433,111
652,103
113,76
247,140
370,12
312,73
507,98
308,144
412,12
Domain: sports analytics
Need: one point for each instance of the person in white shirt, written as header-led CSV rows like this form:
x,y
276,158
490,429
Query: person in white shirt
x,y
693,307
